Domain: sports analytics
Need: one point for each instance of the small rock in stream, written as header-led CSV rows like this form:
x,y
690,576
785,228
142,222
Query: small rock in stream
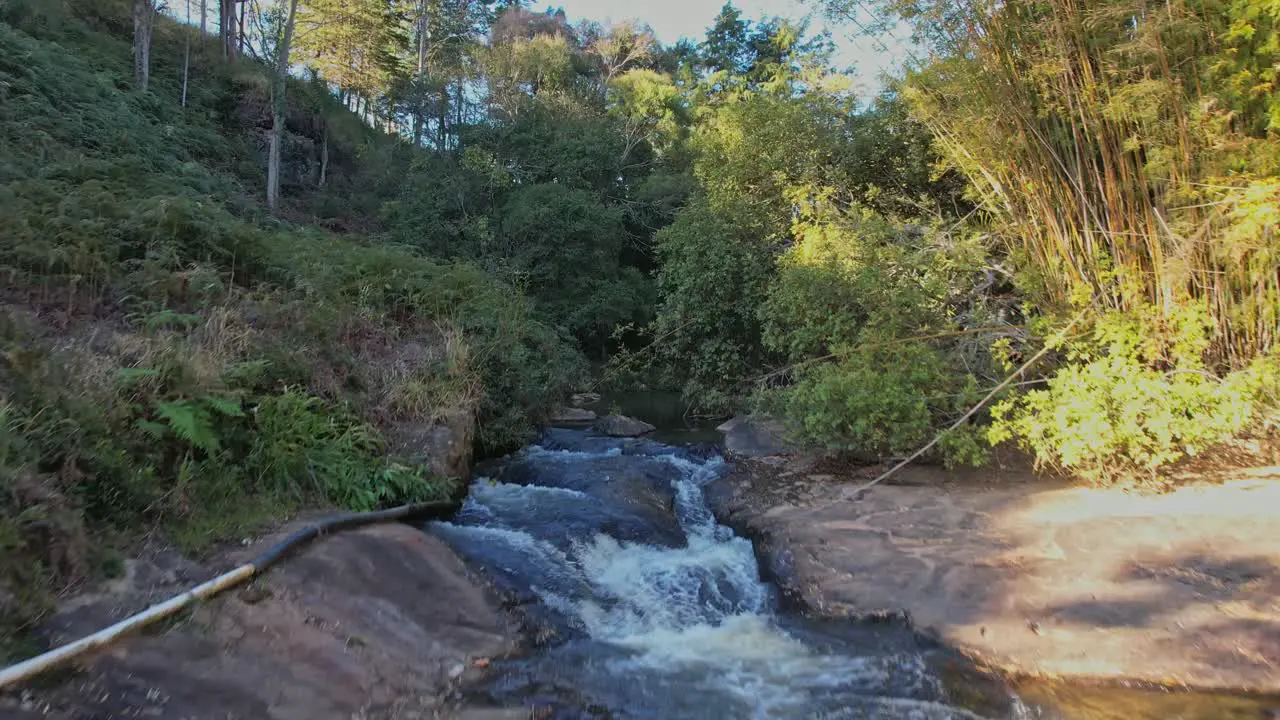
x,y
572,416
622,426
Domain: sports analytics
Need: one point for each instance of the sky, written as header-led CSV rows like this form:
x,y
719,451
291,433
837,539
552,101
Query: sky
x,y
674,19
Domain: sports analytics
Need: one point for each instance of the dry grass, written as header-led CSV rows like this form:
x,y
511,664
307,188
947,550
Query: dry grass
x,y
433,387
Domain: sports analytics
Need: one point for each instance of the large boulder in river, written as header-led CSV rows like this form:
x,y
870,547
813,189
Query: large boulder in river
x,y
378,622
630,497
444,446
622,426
755,435
584,398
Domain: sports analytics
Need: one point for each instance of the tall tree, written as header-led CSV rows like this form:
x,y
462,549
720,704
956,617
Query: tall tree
x,y
144,14
186,56
358,45
227,26
279,81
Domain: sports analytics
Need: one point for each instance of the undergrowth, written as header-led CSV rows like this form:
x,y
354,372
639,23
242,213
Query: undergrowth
x,y
171,357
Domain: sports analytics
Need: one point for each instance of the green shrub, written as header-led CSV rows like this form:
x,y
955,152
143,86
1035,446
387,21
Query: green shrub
x,y
881,403
851,298
303,446
1127,405
716,267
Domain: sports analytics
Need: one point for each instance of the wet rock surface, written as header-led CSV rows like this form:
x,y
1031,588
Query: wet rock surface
x,y
622,426
572,416
751,436
444,446
381,622
1034,576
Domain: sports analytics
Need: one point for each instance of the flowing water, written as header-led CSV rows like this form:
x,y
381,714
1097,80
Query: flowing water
x,y
640,605
645,607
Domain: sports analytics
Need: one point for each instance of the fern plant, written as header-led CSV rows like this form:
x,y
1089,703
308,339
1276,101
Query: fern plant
x,y
193,421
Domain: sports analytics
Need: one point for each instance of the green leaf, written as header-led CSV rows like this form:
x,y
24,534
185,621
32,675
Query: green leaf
x,y
152,428
190,422
226,406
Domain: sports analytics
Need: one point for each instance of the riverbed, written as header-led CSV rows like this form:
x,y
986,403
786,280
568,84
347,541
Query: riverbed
x,y
644,606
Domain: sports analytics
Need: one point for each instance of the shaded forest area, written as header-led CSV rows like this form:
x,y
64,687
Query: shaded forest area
x,y
244,246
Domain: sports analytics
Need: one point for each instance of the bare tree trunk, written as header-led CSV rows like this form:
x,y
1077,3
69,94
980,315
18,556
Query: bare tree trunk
x,y
143,17
278,83
186,57
418,119
324,154
227,26
444,116
204,8
240,34
422,38
458,106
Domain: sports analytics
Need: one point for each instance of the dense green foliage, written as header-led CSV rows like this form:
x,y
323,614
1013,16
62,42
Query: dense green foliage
x,y
1127,164
473,198
1120,169
171,356
809,245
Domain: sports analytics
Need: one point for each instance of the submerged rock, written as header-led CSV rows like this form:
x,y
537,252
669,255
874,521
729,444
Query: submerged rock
x,y
571,416
622,426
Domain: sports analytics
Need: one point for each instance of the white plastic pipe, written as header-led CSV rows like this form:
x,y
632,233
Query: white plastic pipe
x,y
40,663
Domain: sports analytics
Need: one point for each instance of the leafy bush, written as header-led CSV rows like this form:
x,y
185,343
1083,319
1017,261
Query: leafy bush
x,y
716,266
852,296
1126,404
303,446
881,403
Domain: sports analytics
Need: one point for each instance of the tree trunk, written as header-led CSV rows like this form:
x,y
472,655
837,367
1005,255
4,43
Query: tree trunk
x,y
422,39
324,154
227,26
278,83
458,106
204,7
186,56
444,116
143,16
419,99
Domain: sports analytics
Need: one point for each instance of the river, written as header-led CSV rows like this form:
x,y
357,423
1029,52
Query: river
x,y
643,606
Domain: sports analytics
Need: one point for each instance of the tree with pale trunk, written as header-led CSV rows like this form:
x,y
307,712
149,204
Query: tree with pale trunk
x,y
279,81
144,15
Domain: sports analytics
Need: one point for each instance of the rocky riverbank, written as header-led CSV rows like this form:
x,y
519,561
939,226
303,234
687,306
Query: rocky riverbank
x,y
1032,576
381,622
